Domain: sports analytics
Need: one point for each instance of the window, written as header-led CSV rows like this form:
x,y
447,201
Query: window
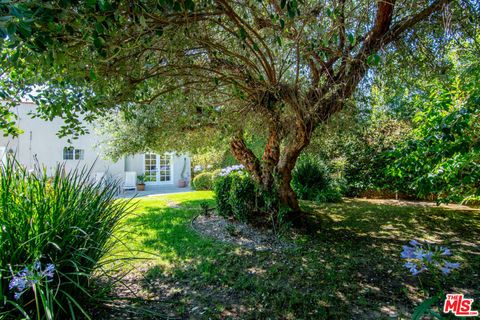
x,y
150,167
70,153
158,168
79,154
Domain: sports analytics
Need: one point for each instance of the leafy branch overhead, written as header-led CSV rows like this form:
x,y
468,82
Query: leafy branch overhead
x,y
283,66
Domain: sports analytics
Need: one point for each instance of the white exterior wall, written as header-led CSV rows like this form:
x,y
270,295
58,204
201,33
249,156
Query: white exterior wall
x,y
40,144
39,141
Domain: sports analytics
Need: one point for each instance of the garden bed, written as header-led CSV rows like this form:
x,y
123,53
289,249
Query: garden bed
x,y
237,233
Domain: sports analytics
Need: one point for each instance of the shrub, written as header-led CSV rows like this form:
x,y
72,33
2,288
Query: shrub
x,y
221,187
329,194
203,181
55,230
311,181
243,196
237,196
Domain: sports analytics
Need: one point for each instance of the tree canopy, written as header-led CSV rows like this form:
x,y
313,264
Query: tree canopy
x,y
278,68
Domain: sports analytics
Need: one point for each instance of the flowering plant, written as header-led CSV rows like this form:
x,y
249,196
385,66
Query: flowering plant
x,y
35,278
226,171
422,257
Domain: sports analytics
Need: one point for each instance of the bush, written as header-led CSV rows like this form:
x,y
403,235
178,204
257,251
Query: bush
x,y
243,196
237,196
216,173
203,181
311,181
55,230
221,187
329,195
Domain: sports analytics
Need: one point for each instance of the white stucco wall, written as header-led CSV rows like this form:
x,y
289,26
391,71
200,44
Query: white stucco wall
x,y
40,144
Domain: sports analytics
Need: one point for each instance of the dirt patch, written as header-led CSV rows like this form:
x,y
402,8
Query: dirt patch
x,y
237,233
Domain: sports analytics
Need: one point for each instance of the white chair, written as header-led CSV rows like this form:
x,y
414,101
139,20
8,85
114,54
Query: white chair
x,y
130,180
99,177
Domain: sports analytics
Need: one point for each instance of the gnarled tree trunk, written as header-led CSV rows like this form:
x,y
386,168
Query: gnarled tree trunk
x,y
274,172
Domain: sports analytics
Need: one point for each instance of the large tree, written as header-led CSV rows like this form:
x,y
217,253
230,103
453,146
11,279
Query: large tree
x,y
283,67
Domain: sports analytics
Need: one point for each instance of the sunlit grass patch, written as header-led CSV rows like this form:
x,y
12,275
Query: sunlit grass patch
x,y
347,266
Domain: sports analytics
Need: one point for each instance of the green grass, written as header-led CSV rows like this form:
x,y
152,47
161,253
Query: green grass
x,y
347,266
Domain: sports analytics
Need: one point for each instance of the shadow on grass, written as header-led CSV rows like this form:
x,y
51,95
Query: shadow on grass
x,y
348,268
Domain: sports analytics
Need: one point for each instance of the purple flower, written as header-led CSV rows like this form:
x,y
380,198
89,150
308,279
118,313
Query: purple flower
x,y
415,243
37,265
452,265
428,256
445,271
446,251
413,268
17,283
407,252
226,171
424,256
449,266
49,271
30,276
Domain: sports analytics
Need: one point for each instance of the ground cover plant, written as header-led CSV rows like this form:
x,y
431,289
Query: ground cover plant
x,y
349,264
55,231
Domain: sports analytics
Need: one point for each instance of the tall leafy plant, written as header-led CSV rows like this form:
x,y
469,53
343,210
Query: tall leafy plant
x,y
442,155
55,230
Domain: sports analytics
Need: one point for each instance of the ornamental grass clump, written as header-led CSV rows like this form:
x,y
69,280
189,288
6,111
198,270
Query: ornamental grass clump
x,y
55,230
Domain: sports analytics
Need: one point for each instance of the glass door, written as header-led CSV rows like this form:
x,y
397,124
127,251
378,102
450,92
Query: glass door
x,y
150,168
165,168
158,168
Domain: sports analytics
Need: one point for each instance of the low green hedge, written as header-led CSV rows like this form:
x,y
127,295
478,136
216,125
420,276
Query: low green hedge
x,y
203,181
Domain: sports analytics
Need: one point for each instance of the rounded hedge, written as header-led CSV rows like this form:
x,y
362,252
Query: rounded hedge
x,y
203,181
238,197
311,181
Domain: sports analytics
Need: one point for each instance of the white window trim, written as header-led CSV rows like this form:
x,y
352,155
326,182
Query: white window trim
x,y
74,154
170,154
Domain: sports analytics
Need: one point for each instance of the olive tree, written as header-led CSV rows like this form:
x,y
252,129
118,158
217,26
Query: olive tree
x,y
281,66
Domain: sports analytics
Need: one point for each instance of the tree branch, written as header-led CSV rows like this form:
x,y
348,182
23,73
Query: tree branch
x,y
409,22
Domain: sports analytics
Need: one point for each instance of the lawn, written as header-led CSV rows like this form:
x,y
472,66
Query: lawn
x,y
346,266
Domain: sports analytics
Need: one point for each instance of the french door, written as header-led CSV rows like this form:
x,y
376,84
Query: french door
x,y
158,168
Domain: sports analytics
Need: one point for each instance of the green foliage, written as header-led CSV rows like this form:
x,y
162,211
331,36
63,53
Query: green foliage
x,y
243,196
442,154
309,176
299,281
65,220
366,157
205,208
203,181
237,196
312,181
221,187
425,308
85,59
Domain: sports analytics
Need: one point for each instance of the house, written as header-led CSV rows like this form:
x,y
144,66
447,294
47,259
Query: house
x,y
39,144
